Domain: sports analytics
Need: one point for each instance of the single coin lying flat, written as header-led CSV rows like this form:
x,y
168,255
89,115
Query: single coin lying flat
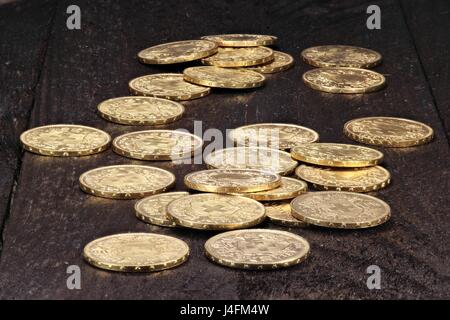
x,y
211,211
336,155
227,78
345,179
388,131
178,52
273,135
153,209
337,209
157,145
168,86
241,40
232,180
341,56
344,80
281,61
65,140
257,249
239,57
126,181
140,110
136,252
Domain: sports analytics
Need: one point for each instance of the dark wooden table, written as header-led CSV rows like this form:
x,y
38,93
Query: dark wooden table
x,y
50,74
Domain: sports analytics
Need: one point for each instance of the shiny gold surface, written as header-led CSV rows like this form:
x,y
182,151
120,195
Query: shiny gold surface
x,y
281,61
241,40
279,212
239,57
341,56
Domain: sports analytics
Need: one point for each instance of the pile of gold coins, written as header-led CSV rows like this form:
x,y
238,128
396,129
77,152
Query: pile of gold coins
x,y
257,178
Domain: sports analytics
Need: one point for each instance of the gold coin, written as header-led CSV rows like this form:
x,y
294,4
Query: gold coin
x,y
388,132
157,145
153,209
273,135
211,211
341,56
140,110
345,179
266,159
337,209
336,155
136,252
279,212
65,140
168,86
290,188
223,78
126,181
344,80
232,180
281,61
242,40
239,57
257,249
178,52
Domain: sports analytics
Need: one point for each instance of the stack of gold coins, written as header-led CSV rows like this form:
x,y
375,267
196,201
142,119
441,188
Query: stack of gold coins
x,y
342,69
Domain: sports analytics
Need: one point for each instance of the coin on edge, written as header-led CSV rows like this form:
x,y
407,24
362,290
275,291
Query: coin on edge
x,y
388,132
337,209
257,249
258,158
281,61
242,40
273,135
157,145
65,140
178,52
168,86
239,57
153,209
279,212
232,180
337,155
341,56
290,188
211,211
345,179
136,252
223,77
126,181
140,110
344,80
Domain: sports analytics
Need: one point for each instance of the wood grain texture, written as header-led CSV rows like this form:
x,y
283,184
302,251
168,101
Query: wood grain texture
x,y
51,219
429,24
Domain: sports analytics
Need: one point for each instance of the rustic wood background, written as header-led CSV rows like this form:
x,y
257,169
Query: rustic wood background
x,y
50,74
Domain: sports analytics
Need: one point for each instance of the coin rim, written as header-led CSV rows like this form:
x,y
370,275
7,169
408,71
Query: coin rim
x,y
229,190
267,69
369,89
257,266
243,62
338,163
129,268
52,153
154,157
125,195
374,187
231,134
321,64
383,142
263,196
194,56
143,216
175,97
214,84
203,226
148,122
342,225
270,40
281,173
286,223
